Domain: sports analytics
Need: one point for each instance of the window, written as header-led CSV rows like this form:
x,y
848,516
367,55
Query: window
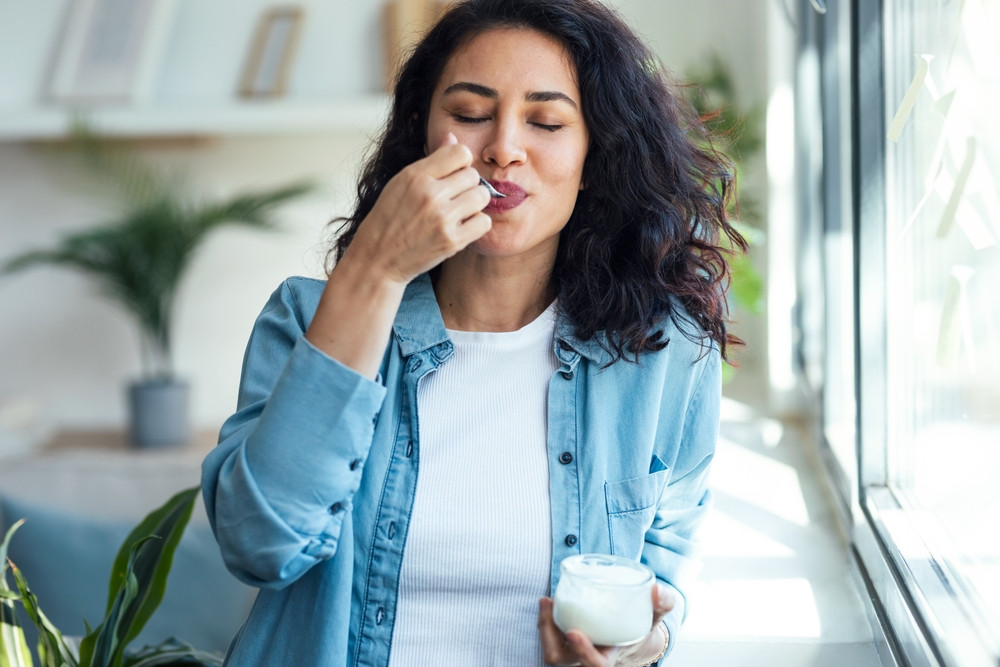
x,y
911,335
942,266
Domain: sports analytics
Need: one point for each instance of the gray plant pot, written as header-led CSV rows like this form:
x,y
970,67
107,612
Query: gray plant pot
x,y
158,413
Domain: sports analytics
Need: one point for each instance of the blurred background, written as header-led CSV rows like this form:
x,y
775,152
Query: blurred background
x,y
187,111
862,430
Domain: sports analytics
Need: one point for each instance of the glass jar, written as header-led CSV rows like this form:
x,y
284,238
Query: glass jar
x,y
608,598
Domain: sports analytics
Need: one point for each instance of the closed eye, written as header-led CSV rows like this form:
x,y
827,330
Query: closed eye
x,y
470,120
475,120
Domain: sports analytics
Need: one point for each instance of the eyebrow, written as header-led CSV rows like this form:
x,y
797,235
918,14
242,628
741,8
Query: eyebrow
x,y
491,93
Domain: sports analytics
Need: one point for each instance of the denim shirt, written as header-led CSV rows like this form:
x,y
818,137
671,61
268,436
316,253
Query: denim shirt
x,y
310,489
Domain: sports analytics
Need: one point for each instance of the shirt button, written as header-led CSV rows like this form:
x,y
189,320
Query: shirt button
x,y
570,540
379,616
392,529
353,465
565,457
336,507
568,375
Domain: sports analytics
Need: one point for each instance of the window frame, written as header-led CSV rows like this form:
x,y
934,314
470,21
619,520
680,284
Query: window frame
x,y
920,619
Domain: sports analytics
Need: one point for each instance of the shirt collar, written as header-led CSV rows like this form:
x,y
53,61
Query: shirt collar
x,y
590,348
418,325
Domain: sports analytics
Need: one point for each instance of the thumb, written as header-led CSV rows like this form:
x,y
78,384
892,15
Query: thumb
x,y
663,602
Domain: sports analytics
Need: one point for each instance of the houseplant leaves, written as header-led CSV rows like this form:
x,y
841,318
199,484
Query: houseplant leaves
x,y
13,646
136,587
138,580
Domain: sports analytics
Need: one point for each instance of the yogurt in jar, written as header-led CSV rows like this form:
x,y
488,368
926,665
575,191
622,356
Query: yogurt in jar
x,y
608,598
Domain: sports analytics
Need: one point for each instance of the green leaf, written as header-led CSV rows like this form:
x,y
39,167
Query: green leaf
x,y
53,651
168,522
14,650
138,580
13,646
728,373
738,134
4,563
747,286
172,652
110,642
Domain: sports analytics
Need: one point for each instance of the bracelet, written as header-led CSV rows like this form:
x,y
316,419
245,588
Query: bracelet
x,y
663,651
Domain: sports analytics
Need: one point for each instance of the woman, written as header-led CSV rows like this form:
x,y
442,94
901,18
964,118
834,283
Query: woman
x,y
549,360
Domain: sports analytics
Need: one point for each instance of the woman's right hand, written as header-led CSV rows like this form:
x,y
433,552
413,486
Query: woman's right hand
x,y
428,212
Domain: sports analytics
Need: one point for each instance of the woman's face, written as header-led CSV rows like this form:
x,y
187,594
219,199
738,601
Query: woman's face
x,y
511,96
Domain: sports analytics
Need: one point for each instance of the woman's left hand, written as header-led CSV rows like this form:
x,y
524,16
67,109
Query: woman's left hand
x,y
575,648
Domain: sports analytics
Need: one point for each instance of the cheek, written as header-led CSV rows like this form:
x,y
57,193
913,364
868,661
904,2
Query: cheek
x,y
435,138
566,165
436,132
569,177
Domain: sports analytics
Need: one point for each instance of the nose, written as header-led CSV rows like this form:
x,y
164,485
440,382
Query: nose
x,y
505,145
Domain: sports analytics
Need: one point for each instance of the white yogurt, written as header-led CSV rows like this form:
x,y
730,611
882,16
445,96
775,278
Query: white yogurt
x,y
608,598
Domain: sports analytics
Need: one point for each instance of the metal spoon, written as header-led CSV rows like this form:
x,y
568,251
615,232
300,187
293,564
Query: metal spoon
x,y
492,190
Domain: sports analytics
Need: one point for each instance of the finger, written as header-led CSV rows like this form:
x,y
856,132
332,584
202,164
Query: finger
x,y
470,230
449,210
461,181
469,200
476,225
552,639
663,602
446,159
588,654
449,138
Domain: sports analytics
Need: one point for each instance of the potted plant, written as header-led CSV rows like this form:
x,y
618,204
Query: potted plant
x,y
738,135
138,582
138,259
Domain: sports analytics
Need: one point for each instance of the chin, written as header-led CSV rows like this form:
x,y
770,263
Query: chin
x,y
492,249
501,245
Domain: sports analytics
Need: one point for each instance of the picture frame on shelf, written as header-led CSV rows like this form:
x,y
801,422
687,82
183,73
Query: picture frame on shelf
x,y
268,64
109,51
404,22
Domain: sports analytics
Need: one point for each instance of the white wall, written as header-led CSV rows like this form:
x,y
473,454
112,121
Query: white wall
x,y
65,347
71,352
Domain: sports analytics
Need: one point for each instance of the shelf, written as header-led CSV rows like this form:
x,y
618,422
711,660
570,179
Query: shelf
x,y
243,118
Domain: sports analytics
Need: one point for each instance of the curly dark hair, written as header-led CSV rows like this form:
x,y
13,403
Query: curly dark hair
x,y
645,240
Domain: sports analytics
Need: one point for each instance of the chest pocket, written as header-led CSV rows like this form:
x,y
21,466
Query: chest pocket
x,y
631,507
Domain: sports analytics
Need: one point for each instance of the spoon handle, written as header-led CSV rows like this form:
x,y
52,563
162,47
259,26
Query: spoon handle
x,y
493,191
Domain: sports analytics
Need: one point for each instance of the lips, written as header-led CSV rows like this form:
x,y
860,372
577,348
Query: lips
x,y
515,196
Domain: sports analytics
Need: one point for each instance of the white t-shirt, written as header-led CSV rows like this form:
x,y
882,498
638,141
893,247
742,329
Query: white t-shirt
x,y
479,546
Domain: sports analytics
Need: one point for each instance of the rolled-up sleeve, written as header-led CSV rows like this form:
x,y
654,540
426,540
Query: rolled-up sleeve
x,y
280,482
670,546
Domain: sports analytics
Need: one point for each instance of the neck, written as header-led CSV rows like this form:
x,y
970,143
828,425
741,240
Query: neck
x,y
479,295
